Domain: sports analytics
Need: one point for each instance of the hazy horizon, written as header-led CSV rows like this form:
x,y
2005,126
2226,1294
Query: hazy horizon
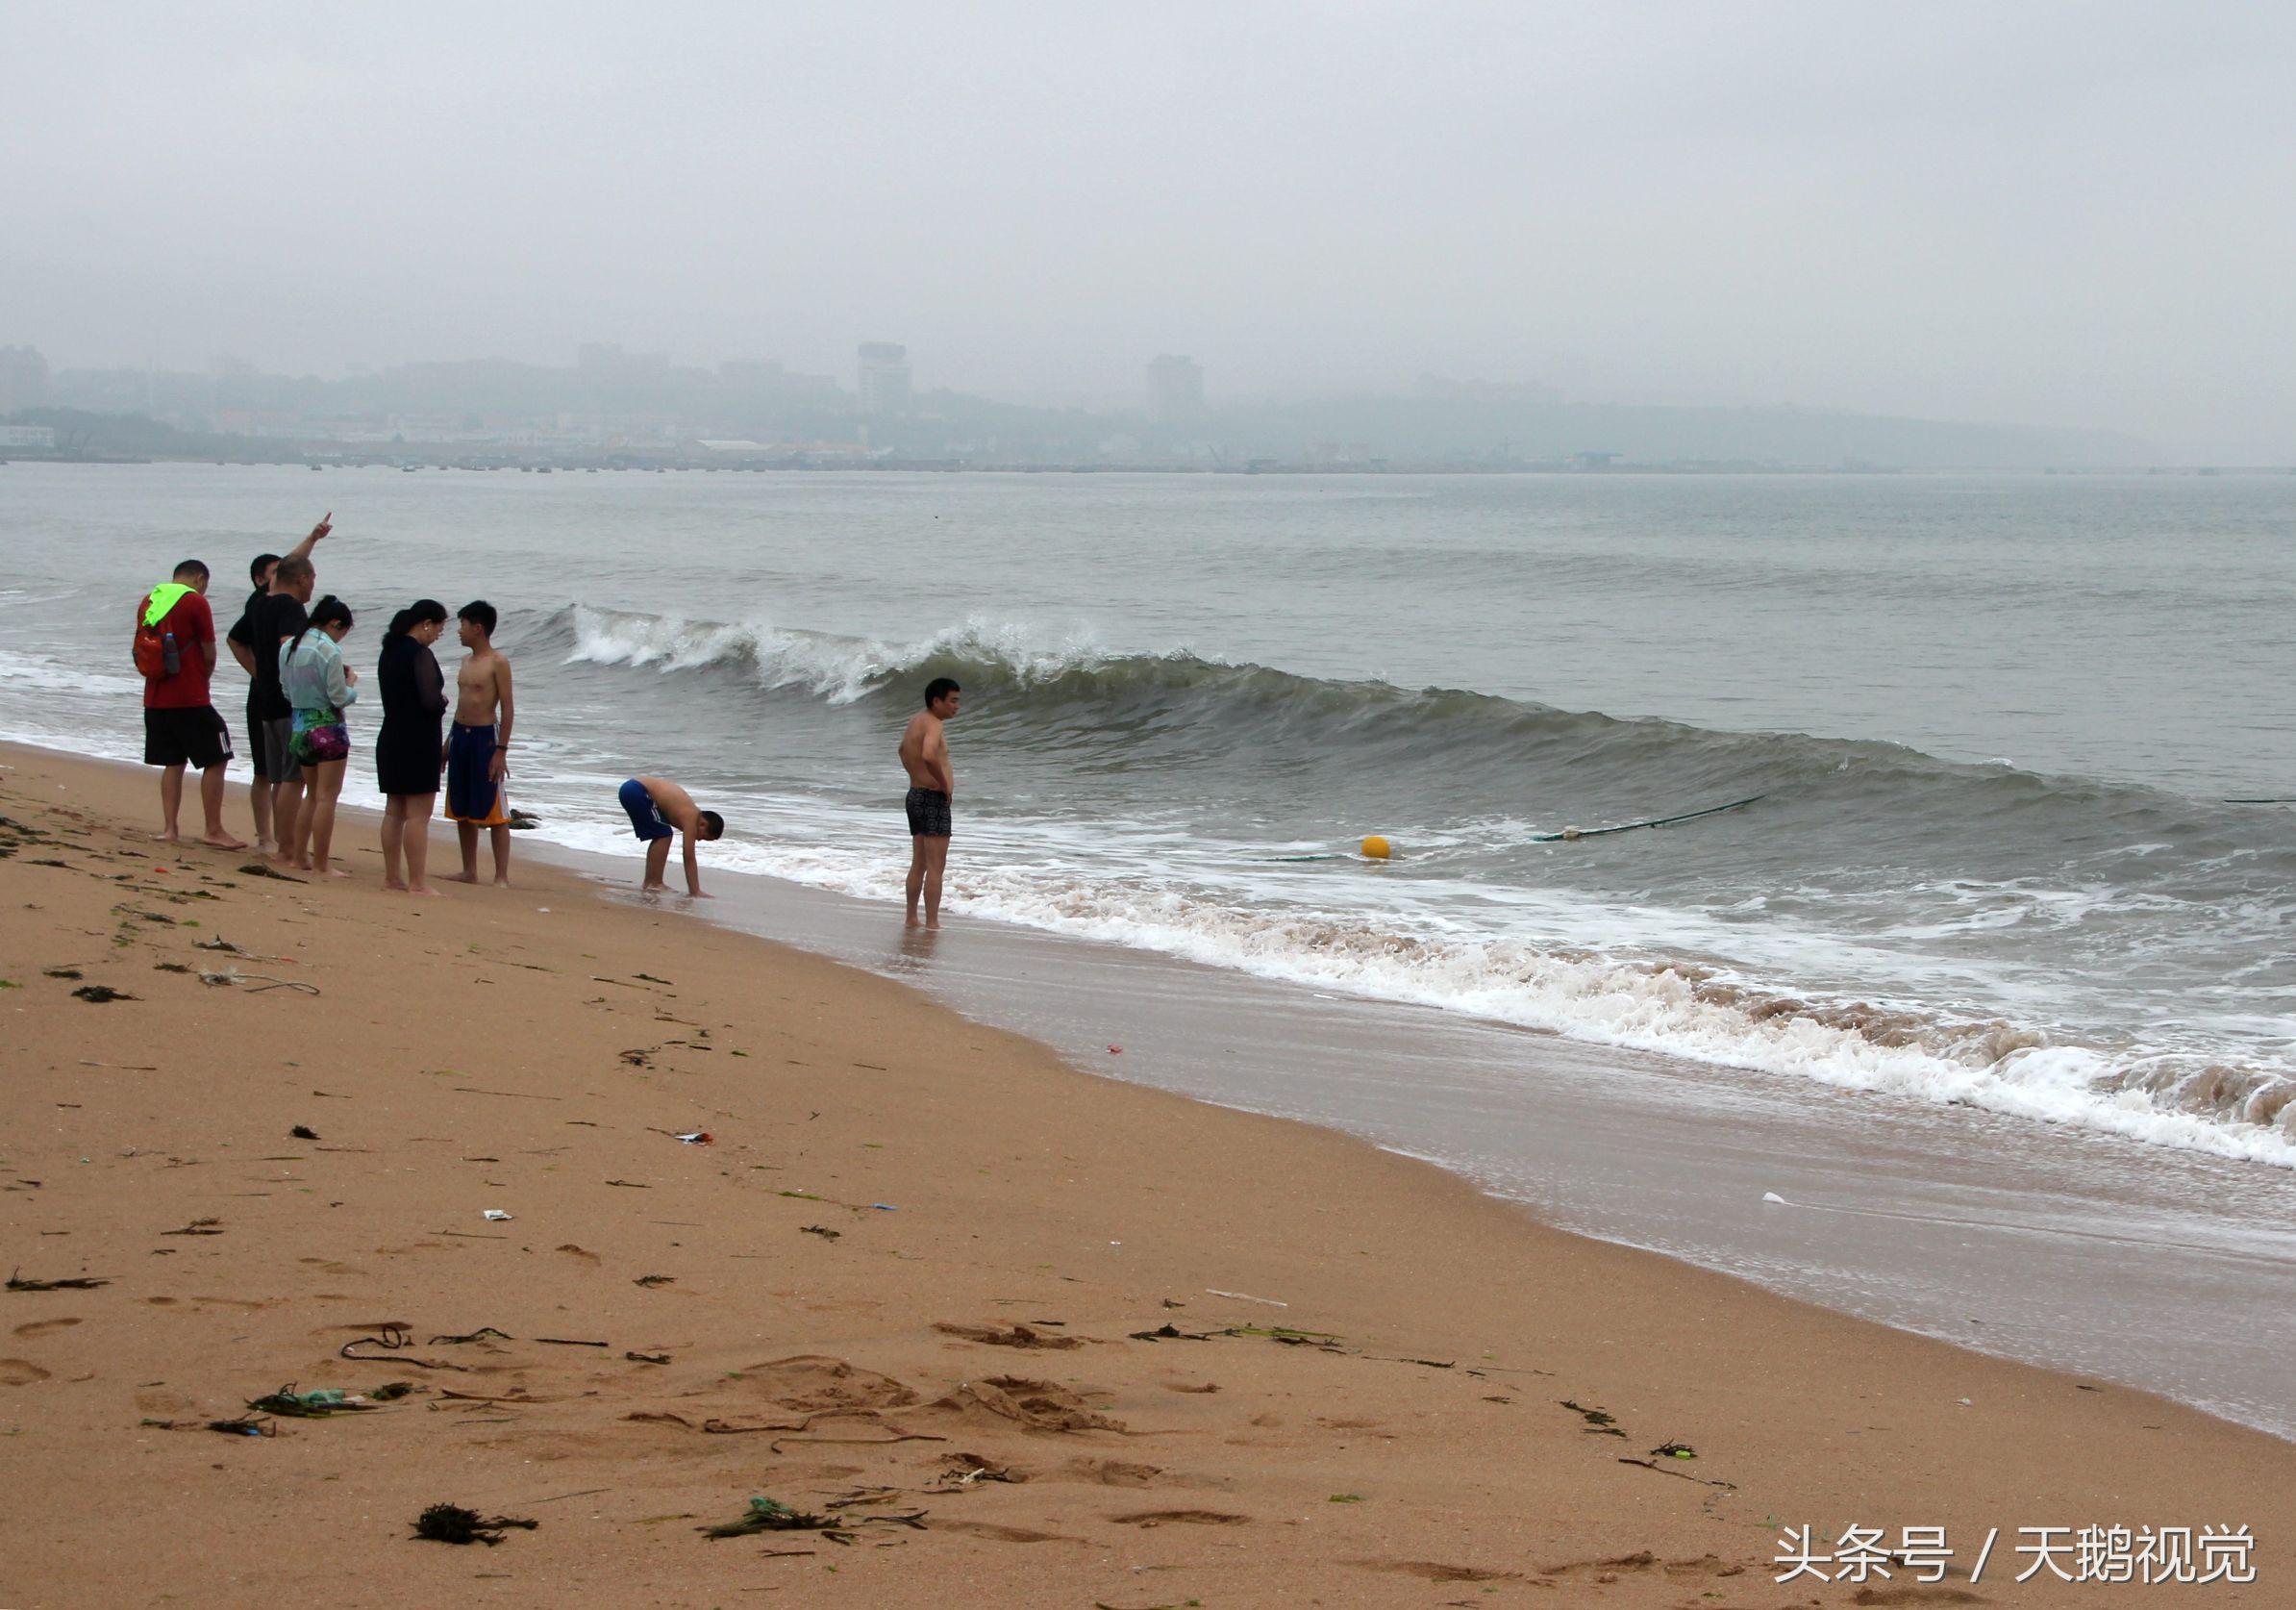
x,y
2057,214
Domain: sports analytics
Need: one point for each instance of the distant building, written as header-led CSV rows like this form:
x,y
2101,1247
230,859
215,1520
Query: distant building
x,y
1175,391
28,435
884,377
23,378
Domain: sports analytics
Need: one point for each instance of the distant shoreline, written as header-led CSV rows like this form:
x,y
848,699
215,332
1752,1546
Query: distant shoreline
x,y
645,465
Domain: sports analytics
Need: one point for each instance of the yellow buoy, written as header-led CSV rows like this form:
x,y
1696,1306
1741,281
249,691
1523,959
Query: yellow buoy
x,y
1375,848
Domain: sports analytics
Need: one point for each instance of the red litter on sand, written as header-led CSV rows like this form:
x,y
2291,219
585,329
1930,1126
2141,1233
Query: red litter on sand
x,y
699,1138
1116,1050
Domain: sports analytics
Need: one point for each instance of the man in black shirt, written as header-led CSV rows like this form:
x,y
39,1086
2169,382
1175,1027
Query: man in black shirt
x,y
273,613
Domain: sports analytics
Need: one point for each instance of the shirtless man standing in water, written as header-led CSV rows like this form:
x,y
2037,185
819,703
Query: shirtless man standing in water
x,y
925,757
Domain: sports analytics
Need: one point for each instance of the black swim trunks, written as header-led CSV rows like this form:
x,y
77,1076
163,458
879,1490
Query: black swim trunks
x,y
928,814
195,736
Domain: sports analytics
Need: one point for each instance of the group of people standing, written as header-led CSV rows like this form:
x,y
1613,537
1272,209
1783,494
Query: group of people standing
x,y
299,692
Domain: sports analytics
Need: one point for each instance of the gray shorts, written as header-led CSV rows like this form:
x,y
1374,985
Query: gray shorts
x,y
280,765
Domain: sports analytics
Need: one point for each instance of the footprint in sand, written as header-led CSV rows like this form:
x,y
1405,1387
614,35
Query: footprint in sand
x,y
1017,1336
1003,1534
1181,1517
1033,1405
813,1382
1115,1472
42,1327
1433,1570
21,1372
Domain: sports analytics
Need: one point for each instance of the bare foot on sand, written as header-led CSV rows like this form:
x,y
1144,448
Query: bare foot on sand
x,y
457,878
426,893
167,836
220,840
394,886
330,872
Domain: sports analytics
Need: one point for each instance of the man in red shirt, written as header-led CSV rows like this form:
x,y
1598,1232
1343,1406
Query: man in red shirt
x,y
179,723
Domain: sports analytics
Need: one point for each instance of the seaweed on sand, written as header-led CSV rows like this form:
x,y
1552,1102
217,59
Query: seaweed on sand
x,y
453,1524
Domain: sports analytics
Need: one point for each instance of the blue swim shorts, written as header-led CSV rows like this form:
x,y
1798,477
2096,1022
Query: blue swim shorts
x,y
472,794
645,816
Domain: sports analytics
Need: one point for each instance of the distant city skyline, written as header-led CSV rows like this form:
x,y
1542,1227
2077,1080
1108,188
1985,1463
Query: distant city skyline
x,y
881,375
613,402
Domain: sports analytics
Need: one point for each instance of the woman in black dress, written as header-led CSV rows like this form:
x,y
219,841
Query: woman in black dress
x,y
409,752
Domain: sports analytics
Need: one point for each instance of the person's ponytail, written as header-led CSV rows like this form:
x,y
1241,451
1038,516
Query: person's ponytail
x,y
325,613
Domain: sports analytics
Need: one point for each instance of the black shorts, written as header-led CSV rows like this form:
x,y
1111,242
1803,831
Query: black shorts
x,y
195,736
928,814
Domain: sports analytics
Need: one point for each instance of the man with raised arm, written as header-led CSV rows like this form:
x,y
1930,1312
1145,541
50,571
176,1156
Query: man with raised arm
x,y
259,660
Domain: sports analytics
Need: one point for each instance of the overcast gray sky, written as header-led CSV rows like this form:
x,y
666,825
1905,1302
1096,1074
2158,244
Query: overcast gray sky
x,y
2040,213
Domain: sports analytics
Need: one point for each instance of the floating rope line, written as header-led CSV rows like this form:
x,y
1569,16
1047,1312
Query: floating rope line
x,y
1655,821
1574,833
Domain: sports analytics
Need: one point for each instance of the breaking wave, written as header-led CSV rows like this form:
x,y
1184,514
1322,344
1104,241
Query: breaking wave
x,y
1861,943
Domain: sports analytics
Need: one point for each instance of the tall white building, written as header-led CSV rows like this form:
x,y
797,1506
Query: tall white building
x,y
1175,391
884,377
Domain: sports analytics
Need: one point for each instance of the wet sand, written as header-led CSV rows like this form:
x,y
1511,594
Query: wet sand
x,y
1030,1336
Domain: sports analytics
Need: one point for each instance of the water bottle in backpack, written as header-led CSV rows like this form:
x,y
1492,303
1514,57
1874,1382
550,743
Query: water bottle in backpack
x,y
169,656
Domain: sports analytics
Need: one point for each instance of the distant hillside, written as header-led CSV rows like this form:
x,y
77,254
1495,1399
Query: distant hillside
x,y
660,402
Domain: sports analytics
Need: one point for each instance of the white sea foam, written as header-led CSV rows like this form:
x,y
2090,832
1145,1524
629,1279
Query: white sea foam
x,y
22,673
836,668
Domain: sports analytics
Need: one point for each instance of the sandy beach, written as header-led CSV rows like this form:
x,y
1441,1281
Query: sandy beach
x,y
1017,1333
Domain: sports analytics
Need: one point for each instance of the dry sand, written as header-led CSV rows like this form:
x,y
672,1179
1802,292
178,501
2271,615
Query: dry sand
x,y
1025,1350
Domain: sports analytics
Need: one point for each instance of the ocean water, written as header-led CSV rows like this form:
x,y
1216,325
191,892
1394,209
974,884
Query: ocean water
x,y
1991,728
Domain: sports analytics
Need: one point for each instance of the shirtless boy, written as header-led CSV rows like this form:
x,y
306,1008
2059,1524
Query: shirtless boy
x,y
932,786
657,810
478,746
